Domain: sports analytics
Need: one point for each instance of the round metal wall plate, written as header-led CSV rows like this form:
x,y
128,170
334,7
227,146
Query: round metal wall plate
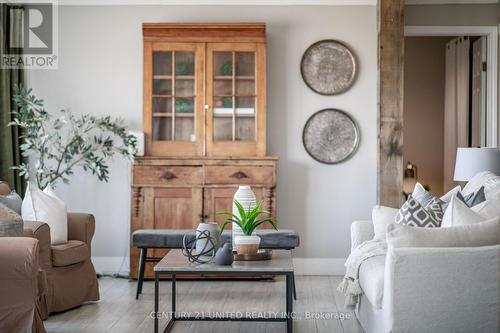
x,y
328,67
330,136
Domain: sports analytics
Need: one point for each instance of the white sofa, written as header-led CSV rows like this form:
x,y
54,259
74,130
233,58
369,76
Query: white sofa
x,y
428,289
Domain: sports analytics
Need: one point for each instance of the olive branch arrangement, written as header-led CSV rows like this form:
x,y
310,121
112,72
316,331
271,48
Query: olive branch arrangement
x,y
56,146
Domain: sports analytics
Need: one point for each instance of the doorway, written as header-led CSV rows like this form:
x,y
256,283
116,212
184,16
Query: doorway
x,y
449,99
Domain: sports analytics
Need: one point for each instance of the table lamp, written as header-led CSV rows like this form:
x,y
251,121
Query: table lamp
x,y
471,161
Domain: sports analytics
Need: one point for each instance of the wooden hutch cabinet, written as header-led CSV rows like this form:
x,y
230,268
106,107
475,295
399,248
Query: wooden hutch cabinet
x,y
204,120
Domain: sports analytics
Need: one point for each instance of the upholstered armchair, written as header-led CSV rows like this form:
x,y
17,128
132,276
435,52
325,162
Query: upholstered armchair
x,y
22,284
71,278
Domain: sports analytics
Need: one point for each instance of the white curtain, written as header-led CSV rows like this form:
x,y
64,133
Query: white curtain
x,y
456,104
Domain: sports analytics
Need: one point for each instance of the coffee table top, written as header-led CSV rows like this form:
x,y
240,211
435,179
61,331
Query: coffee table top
x,y
176,262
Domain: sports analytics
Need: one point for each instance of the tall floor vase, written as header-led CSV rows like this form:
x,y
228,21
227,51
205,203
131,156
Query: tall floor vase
x,y
245,196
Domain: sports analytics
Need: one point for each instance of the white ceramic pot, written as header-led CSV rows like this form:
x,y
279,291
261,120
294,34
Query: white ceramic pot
x,y
214,230
246,197
247,244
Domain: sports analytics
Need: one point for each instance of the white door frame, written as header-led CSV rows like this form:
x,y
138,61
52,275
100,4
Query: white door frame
x,y
491,33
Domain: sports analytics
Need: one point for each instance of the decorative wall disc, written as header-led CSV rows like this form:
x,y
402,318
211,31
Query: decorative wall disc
x,y
328,67
330,136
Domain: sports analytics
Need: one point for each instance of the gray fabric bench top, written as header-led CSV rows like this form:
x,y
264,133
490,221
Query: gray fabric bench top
x,y
172,238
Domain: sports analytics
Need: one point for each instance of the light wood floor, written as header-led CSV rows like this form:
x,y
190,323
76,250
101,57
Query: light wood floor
x,y
118,311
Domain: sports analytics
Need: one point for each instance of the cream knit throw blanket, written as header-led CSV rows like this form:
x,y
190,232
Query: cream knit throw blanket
x,y
350,284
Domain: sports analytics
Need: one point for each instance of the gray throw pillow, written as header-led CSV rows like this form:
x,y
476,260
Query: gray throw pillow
x,y
414,214
423,196
13,201
474,198
11,223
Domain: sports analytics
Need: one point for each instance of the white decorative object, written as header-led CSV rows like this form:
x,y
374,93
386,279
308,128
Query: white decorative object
x,y
46,207
245,196
140,142
471,161
214,232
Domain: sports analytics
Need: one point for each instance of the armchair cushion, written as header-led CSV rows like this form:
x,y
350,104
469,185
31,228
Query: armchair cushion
x,y
72,252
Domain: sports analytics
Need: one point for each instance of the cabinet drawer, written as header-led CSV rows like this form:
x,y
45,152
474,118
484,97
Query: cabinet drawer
x,y
168,175
239,174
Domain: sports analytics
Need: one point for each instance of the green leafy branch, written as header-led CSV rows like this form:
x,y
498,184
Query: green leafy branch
x,y
58,145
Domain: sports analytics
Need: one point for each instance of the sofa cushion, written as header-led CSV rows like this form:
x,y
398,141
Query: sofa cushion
x,y
371,279
470,235
72,252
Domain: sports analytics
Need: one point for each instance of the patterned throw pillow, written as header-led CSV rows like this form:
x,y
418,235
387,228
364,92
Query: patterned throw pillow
x,y
474,198
413,213
11,223
12,200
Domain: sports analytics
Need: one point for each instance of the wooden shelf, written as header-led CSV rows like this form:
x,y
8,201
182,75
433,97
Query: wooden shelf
x,y
238,115
169,77
177,114
171,96
230,95
230,77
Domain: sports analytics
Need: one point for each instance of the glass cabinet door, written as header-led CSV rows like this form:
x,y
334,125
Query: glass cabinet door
x,y
233,97
176,100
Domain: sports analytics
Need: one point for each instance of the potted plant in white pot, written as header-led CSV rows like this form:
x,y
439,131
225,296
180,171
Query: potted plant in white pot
x,y
248,221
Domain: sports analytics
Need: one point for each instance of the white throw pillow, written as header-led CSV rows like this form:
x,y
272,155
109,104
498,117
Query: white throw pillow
x,y
489,180
478,234
446,198
458,213
46,207
489,208
382,216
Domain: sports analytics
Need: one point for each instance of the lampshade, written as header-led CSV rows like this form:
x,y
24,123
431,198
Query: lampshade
x,y
471,161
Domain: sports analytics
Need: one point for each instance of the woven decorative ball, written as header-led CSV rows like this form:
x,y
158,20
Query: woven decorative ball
x,y
204,255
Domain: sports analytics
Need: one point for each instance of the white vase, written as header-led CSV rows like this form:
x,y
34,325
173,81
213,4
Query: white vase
x,y
245,196
214,232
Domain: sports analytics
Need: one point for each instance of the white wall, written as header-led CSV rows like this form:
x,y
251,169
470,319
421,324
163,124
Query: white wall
x,y
100,72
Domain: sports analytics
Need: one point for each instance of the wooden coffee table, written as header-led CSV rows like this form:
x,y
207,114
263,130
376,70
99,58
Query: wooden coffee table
x,y
175,263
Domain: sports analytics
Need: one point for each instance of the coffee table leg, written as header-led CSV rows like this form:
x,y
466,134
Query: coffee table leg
x,y
173,296
157,290
289,303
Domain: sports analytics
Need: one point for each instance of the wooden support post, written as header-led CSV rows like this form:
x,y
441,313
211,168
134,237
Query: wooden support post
x,y
390,136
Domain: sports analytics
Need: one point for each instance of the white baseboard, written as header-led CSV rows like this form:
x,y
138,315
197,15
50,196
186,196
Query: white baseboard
x,y
302,266
111,265
319,266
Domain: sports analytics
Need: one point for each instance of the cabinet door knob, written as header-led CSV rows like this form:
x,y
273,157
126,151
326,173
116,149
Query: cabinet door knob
x,y
239,175
168,176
